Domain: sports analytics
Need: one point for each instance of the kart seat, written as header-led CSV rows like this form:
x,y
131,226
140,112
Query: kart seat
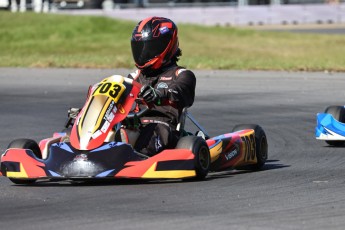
x,y
181,125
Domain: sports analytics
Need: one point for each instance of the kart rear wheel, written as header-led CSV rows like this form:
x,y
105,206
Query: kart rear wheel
x,y
338,112
25,144
201,153
260,142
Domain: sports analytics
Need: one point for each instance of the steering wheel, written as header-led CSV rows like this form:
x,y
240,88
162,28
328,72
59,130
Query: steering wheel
x,y
143,109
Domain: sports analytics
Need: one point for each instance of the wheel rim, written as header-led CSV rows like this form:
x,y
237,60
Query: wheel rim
x,y
204,158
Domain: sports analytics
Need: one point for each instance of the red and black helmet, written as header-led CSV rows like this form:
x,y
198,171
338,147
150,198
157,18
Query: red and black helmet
x,y
154,42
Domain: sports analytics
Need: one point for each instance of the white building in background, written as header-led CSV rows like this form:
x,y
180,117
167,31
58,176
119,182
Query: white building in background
x,y
123,4
219,12
4,3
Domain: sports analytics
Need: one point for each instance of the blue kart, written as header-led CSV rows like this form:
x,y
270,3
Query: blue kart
x,y
330,126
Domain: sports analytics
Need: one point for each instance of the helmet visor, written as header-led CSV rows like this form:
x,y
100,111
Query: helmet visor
x,y
144,51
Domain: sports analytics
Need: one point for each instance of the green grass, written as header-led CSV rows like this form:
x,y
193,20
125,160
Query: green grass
x,y
48,40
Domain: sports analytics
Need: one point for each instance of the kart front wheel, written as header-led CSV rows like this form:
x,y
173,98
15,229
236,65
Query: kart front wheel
x,y
260,143
25,144
201,153
338,112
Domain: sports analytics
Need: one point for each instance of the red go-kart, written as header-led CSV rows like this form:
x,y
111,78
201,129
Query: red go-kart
x,y
99,146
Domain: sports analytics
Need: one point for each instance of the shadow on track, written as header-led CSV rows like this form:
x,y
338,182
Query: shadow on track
x,y
270,165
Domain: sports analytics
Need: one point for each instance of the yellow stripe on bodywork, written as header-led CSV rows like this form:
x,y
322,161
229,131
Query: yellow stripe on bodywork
x,y
173,174
100,119
21,174
216,151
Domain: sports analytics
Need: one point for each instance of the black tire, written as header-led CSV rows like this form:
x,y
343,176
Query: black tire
x,y
260,142
338,112
202,159
25,144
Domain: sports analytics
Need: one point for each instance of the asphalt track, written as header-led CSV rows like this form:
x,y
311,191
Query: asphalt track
x,y
301,186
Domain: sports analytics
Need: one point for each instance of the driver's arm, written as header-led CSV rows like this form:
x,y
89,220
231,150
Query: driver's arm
x,y
181,91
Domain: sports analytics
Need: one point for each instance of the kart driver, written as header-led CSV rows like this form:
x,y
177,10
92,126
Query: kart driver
x,y
166,87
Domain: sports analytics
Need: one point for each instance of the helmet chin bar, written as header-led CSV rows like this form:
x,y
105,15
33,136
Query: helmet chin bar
x,y
151,65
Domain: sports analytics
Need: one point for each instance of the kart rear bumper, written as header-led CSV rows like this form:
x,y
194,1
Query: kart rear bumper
x,y
328,128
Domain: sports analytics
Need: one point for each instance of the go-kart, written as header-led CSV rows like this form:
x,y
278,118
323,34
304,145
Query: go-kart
x,y
330,126
99,146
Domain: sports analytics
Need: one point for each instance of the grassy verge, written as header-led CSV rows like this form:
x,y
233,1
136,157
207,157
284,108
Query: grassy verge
x,y
47,40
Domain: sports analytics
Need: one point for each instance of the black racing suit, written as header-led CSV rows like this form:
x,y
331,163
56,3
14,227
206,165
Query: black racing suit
x,y
177,87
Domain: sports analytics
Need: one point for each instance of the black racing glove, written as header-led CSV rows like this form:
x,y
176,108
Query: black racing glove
x,y
150,94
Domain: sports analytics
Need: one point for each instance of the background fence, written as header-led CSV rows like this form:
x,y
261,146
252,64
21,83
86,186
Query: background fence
x,y
222,13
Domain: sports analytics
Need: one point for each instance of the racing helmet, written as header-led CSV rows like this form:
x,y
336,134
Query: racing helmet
x,y
154,42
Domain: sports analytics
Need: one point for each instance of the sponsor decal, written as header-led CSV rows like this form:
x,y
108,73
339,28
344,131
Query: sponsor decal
x,y
164,30
166,78
96,134
109,116
231,155
114,109
162,85
105,126
154,121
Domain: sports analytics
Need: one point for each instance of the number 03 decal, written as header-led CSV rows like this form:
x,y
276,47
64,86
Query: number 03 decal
x,y
113,90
